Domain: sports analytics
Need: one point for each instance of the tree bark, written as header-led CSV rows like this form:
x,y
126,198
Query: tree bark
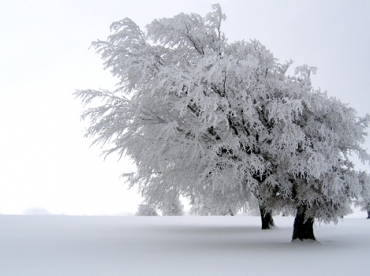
x,y
303,226
266,218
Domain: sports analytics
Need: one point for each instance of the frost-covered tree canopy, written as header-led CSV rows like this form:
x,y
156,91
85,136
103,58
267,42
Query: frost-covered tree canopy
x,y
217,122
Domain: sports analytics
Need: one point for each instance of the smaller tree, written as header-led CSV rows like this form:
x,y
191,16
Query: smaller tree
x,y
324,181
316,177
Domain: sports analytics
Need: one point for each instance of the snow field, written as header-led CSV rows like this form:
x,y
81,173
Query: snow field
x,y
188,245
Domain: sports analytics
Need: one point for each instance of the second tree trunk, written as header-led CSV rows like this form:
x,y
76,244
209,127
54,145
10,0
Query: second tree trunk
x,y
266,218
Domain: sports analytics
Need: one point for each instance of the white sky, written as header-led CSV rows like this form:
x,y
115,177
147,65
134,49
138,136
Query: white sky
x,y
44,56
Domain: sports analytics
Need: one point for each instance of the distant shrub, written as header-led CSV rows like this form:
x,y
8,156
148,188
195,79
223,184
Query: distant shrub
x,y
146,210
172,208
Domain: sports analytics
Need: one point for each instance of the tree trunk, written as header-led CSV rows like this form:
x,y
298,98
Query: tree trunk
x,y
368,214
266,218
303,227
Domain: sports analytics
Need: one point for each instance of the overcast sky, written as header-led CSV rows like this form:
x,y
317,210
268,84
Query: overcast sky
x,y
45,161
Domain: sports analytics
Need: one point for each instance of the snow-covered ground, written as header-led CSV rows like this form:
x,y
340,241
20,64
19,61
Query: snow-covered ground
x,y
71,245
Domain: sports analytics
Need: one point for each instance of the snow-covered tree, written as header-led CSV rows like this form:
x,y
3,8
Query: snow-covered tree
x,y
218,122
319,179
197,108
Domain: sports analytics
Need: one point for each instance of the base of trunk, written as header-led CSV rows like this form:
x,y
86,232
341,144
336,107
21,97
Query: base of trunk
x,y
303,226
266,218
368,214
